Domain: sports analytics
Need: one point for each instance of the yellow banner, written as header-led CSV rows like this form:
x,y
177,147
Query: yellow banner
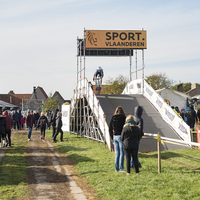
x,y
101,39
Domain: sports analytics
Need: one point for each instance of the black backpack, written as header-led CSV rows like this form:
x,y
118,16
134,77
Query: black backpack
x,y
42,122
189,114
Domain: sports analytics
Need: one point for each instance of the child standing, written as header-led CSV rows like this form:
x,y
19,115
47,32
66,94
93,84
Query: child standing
x,y
22,122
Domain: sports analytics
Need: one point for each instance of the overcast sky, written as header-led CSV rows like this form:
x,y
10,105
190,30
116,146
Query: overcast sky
x,y
38,40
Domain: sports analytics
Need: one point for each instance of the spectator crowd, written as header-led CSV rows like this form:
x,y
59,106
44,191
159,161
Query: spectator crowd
x,y
189,115
17,120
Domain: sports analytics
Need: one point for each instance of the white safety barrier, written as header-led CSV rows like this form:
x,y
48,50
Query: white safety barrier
x,y
134,87
66,118
85,90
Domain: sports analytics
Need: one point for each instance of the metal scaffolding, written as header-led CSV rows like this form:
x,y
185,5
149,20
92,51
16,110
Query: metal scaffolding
x,y
85,115
88,119
85,109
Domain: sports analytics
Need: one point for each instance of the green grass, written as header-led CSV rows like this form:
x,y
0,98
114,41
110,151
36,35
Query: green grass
x,y
179,178
13,170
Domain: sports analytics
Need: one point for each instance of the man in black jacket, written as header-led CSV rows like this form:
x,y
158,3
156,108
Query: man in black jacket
x,y
191,117
139,121
58,127
53,121
16,119
36,116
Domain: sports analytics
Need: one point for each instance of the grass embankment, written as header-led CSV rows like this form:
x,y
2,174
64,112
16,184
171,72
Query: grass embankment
x,y
13,170
179,179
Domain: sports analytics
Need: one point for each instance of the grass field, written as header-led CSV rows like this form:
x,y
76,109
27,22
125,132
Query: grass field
x,y
13,170
179,178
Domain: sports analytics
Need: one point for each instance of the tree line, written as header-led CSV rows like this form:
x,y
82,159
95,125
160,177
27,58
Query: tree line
x,y
156,80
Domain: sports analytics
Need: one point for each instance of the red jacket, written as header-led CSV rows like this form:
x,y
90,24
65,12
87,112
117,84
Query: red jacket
x,y
9,120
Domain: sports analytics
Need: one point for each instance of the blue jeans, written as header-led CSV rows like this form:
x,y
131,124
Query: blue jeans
x,y
29,132
119,153
132,163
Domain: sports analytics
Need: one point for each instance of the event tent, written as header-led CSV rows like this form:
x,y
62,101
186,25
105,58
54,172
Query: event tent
x,y
4,104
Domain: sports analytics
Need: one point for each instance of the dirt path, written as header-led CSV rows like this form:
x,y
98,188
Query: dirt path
x,y
52,175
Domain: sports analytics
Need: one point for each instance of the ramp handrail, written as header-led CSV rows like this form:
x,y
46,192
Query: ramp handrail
x,y
173,140
83,89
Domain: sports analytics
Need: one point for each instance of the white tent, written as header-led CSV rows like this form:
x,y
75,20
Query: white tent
x,y
4,104
175,98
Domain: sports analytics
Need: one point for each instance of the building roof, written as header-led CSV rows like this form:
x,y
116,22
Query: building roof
x,y
194,87
43,92
57,94
22,96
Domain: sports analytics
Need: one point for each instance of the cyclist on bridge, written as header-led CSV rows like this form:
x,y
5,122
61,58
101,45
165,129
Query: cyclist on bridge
x,y
98,74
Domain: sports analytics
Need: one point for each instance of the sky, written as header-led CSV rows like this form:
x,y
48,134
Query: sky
x,y
38,41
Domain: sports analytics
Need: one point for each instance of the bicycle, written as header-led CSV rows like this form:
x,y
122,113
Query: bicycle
x,y
98,83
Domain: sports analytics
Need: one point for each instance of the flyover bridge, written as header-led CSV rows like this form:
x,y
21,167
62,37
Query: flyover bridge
x,y
91,114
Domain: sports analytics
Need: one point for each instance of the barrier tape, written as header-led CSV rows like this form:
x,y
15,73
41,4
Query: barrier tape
x,y
172,141
162,141
165,141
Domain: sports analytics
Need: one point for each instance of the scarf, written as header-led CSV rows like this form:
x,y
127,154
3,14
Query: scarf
x,y
130,123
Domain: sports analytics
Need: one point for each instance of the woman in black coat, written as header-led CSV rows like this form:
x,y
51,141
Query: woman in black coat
x,y
42,123
115,129
58,126
131,134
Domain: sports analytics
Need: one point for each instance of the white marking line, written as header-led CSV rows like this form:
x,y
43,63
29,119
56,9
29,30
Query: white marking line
x,y
42,184
76,191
